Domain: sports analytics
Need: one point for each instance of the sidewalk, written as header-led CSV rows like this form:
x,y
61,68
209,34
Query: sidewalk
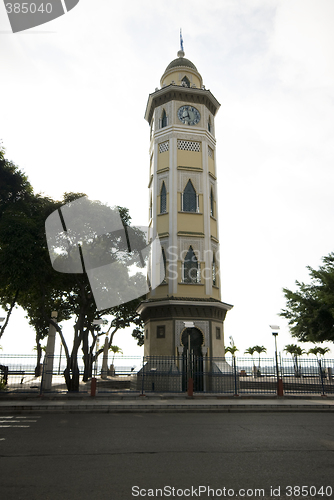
x,y
117,402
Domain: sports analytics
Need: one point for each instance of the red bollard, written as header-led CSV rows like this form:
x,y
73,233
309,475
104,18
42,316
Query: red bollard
x,y
190,387
280,387
93,387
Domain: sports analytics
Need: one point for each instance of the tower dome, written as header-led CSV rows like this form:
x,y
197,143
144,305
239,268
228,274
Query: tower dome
x,y
181,61
181,70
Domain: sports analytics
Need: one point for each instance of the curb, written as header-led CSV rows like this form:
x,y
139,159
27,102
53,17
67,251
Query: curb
x,y
158,408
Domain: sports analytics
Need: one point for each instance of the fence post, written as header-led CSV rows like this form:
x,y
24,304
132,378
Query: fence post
x,y
235,377
321,378
142,377
93,386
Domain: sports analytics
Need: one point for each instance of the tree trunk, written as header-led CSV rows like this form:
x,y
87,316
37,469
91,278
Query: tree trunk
x,y
38,362
71,374
10,310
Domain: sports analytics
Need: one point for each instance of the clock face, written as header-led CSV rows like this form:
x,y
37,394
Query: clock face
x,y
189,115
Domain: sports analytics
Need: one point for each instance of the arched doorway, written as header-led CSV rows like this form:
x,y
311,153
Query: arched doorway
x,y
192,357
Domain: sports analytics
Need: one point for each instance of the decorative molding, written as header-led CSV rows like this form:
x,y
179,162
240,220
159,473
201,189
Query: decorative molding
x,y
185,242
161,179
162,170
195,177
192,169
203,327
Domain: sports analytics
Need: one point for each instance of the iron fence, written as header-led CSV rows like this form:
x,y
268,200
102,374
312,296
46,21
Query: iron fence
x,y
225,376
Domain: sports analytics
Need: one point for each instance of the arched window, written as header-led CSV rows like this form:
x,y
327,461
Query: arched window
x,y
163,199
211,203
214,270
190,269
163,119
185,81
189,198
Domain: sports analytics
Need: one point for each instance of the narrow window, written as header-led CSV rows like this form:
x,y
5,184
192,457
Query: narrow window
x,y
214,271
218,337
164,267
185,82
209,124
146,336
161,333
211,203
151,208
190,268
189,198
163,199
163,119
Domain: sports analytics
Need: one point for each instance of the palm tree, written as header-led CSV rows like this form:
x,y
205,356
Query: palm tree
x,y
323,350
313,350
295,351
116,350
231,349
250,350
259,349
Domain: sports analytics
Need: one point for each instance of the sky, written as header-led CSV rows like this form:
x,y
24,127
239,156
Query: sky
x,y
74,93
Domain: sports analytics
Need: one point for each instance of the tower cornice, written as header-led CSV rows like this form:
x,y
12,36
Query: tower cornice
x,y
190,133
174,92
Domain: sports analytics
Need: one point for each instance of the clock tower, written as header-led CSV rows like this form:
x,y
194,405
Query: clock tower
x,y
185,312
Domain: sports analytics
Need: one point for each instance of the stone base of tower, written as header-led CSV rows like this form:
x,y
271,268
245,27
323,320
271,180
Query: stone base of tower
x,y
184,338
167,326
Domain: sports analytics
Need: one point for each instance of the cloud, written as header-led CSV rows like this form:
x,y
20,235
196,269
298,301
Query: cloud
x,y
303,42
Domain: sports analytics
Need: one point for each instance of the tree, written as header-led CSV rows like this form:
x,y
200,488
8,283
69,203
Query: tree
x,y
15,193
231,349
28,279
310,309
318,350
259,349
295,352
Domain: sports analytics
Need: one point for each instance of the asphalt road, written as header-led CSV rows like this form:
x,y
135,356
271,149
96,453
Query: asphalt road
x,y
102,456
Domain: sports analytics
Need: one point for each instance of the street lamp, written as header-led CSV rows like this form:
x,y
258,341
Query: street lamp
x,y
274,331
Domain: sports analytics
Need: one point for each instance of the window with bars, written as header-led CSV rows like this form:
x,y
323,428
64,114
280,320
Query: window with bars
x,y
191,268
188,145
189,199
163,147
163,199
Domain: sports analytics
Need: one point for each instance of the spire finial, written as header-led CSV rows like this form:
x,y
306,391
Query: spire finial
x,y
181,51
